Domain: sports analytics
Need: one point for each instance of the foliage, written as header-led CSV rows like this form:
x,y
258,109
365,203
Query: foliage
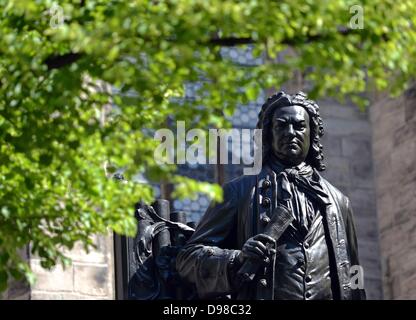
x,y
57,81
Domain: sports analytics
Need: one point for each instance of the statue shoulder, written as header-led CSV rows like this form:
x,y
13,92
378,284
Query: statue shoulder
x,y
335,192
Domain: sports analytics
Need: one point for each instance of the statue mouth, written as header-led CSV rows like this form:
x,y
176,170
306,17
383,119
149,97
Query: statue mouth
x,y
292,144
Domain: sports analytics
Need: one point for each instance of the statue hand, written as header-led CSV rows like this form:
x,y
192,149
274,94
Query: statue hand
x,y
257,248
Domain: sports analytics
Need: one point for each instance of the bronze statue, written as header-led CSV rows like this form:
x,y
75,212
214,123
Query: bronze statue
x,y
285,233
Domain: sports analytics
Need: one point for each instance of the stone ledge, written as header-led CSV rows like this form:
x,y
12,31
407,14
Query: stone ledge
x,y
46,295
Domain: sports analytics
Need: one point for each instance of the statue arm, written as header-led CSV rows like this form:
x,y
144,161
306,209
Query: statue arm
x,y
207,257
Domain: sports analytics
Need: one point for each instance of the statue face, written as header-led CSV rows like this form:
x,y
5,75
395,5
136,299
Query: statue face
x,y
291,134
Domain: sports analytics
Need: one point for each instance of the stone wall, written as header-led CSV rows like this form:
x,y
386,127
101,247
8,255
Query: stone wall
x,y
394,153
347,150
90,276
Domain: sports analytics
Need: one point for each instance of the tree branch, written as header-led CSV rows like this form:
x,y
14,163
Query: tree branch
x,y
59,61
231,41
303,39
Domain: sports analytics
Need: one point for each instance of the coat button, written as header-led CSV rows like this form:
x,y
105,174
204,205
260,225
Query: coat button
x,y
263,282
308,279
308,295
266,202
306,245
264,218
266,184
210,252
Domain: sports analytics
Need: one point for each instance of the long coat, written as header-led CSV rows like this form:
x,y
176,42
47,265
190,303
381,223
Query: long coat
x,y
248,203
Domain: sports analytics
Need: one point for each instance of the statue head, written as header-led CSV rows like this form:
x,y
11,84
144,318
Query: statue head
x,y
292,129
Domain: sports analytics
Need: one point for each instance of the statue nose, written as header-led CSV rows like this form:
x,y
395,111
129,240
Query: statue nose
x,y
290,131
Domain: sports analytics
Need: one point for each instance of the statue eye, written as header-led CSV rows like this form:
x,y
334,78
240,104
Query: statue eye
x,y
300,126
280,123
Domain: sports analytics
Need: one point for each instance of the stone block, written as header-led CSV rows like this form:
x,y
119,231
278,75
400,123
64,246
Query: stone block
x,y
361,173
410,110
330,109
368,249
92,279
386,107
341,127
397,261
367,228
387,125
411,228
386,238
385,212
409,288
381,154
382,172
394,240
408,262
403,162
357,148
331,145
56,279
363,201
98,255
395,287
373,289
43,295
372,270
338,171
375,111
401,216
405,133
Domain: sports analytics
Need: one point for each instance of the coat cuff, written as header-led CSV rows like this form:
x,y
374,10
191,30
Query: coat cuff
x,y
216,272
